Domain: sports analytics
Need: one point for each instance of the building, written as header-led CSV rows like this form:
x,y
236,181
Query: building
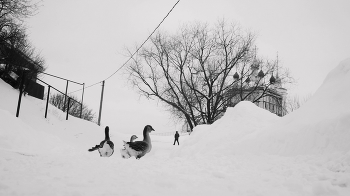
x,y
272,98
14,64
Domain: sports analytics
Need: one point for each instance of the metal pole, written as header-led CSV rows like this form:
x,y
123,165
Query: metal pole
x,y
60,78
68,108
99,114
65,97
47,100
82,101
20,94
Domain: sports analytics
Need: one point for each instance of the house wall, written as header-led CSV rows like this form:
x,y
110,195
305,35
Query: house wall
x,y
272,102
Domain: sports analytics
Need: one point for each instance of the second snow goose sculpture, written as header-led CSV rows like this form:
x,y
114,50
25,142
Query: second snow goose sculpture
x,y
123,151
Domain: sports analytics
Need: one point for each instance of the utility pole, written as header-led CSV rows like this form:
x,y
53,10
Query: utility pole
x,y
99,114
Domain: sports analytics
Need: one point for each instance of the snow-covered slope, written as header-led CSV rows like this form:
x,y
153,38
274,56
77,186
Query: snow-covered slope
x,y
31,132
249,151
219,139
322,125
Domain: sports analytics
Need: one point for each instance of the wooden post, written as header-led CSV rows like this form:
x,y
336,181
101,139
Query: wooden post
x,y
47,100
99,114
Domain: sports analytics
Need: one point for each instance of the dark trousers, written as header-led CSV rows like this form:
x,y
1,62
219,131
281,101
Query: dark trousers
x,y
176,140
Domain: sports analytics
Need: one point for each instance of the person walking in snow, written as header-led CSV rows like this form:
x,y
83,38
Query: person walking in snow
x,y
177,135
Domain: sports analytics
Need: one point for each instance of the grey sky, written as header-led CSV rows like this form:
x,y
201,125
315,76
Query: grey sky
x,y
85,41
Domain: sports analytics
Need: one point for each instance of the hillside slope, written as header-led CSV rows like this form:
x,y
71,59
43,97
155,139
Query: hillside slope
x,y
249,151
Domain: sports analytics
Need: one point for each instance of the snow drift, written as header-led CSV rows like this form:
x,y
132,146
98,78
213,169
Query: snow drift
x,y
31,133
249,151
219,139
322,125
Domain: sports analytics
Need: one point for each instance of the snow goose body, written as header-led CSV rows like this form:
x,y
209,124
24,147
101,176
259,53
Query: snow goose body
x,y
106,147
138,149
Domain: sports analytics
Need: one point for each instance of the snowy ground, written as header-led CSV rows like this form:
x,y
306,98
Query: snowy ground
x,y
248,152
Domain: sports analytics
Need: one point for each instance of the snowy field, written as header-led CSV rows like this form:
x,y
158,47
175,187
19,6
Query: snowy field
x,y
248,152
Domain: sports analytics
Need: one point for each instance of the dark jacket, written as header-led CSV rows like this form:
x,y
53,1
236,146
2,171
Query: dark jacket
x,y
177,135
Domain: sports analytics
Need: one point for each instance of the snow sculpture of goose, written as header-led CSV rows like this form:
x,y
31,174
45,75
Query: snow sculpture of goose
x,y
106,147
138,149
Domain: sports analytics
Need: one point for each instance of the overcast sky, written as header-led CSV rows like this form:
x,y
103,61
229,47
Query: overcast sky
x,y
85,41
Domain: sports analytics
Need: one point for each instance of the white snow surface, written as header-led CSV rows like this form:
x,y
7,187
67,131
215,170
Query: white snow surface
x,y
248,152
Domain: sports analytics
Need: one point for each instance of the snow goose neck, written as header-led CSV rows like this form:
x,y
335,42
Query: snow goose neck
x,y
133,137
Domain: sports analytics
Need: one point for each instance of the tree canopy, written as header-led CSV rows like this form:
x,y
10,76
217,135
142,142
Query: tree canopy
x,y
16,51
194,70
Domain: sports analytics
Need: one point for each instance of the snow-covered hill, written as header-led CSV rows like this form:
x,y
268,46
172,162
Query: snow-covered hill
x,y
249,151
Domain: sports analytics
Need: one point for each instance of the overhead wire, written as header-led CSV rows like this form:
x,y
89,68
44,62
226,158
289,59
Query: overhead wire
x,y
132,55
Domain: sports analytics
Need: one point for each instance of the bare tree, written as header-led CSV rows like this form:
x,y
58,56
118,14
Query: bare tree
x,y
16,10
192,71
57,100
12,13
16,52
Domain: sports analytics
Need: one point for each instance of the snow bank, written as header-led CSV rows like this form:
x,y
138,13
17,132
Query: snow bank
x,y
32,133
15,135
240,154
218,139
320,126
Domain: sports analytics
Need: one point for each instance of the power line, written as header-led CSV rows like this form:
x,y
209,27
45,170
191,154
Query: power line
x,y
144,41
135,51
85,87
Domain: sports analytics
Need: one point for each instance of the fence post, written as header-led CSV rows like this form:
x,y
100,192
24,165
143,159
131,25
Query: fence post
x,y
82,101
81,109
20,94
47,100
65,98
99,114
68,108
